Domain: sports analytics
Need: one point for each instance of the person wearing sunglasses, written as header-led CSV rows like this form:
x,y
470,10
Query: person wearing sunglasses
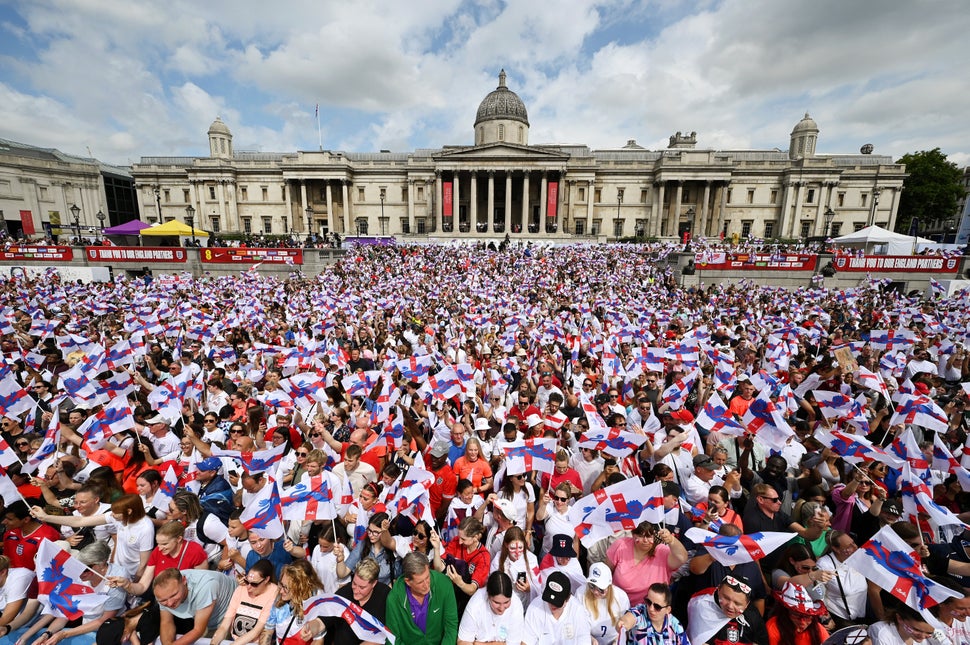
x,y
249,606
726,615
652,622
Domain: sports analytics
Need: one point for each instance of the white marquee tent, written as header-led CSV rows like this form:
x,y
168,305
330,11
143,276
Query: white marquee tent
x,y
878,241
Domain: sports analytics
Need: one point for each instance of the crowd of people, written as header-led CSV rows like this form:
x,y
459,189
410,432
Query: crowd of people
x,y
434,365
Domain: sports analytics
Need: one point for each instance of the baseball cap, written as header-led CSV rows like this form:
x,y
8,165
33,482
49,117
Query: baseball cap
x,y
440,448
557,589
600,576
704,461
210,463
157,419
562,546
682,415
505,505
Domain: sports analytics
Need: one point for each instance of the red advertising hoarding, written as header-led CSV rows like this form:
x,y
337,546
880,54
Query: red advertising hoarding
x,y
897,263
27,222
251,256
135,253
722,261
446,199
36,253
552,199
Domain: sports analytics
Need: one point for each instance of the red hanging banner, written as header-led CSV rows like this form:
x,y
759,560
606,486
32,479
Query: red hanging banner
x,y
27,222
552,199
446,199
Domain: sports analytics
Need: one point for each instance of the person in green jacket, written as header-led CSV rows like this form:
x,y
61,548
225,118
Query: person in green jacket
x,y
421,608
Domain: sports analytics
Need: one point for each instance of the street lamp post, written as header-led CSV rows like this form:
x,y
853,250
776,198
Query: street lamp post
x,y
619,201
158,202
309,223
828,216
383,197
76,214
190,218
101,217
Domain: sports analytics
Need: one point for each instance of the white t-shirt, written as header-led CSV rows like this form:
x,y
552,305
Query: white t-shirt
x,y
883,633
325,564
214,530
479,623
18,581
542,628
603,628
588,470
556,524
527,565
132,540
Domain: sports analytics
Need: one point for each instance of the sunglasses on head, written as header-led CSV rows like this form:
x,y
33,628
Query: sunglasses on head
x,y
737,585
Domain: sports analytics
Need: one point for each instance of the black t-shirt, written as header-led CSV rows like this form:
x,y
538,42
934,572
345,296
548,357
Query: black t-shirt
x,y
747,629
755,521
338,631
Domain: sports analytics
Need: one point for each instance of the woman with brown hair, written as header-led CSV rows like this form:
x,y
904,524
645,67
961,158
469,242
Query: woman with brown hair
x,y
520,564
650,555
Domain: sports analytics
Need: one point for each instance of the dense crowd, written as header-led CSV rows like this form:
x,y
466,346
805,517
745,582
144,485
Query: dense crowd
x,y
459,443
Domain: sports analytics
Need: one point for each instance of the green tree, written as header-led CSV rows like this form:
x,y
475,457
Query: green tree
x,y
931,190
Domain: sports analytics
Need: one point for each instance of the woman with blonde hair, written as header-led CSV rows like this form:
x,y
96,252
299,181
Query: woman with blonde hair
x,y
298,582
604,603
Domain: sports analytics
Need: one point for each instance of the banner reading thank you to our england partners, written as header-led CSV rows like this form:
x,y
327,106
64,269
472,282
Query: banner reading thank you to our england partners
x,y
135,253
722,261
897,263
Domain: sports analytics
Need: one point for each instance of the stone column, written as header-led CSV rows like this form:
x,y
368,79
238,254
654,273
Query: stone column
x,y
589,206
707,197
490,201
411,230
723,206
345,194
287,207
473,198
784,221
429,203
893,208
200,195
796,217
543,200
437,201
303,205
222,210
820,209
330,223
674,220
525,201
508,200
656,210
456,202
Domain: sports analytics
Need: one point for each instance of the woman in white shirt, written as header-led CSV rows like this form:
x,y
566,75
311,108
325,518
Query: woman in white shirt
x,y
554,513
494,614
604,602
520,565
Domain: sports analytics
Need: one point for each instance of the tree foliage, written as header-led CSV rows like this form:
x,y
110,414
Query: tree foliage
x,y
931,190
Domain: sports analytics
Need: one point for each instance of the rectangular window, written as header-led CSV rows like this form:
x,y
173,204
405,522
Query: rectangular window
x,y
597,225
729,195
168,196
43,193
806,229
420,195
840,199
727,225
810,196
774,197
404,195
863,199
185,195
769,230
265,191
360,194
267,225
216,228
212,192
618,228
243,194
582,194
640,228
247,224
858,226
598,196
405,226
643,195
751,195
421,225
501,132
580,226
746,228
836,229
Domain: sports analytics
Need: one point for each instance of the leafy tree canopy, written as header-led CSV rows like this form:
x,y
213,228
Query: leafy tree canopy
x,y
931,189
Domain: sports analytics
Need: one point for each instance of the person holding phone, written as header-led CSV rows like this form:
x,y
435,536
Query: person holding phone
x,y
520,564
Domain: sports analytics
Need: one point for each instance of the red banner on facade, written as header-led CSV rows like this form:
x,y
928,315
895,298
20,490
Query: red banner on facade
x,y
135,253
36,253
446,199
552,199
251,256
27,222
722,261
897,263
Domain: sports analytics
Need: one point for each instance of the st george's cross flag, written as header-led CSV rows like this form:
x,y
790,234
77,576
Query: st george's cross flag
x,y
943,460
47,447
60,588
675,396
621,506
364,625
614,442
855,448
894,566
714,417
922,411
254,463
531,454
735,549
166,490
316,497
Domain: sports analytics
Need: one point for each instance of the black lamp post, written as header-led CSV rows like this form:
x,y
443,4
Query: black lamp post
x,y
383,197
190,219
828,216
76,214
101,217
309,222
619,201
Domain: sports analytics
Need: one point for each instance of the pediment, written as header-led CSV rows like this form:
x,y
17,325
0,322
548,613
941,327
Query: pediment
x,y
491,151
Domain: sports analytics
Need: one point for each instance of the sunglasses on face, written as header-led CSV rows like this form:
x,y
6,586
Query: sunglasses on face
x,y
561,499
236,432
654,605
253,583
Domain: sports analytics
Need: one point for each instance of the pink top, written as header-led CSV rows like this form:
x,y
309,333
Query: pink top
x,y
636,578
247,614
842,519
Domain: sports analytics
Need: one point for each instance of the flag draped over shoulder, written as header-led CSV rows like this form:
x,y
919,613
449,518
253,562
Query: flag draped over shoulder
x,y
365,626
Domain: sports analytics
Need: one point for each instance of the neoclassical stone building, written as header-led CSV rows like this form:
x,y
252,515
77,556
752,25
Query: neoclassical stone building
x,y
502,185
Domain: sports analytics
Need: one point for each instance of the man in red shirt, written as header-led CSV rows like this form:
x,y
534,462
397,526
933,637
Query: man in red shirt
x,y
445,484
23,535
522,411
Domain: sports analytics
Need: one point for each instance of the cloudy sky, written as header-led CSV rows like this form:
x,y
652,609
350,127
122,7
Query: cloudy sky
x,y
130,78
